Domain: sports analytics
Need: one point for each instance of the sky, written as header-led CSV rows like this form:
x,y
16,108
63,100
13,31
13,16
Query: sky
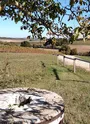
x,y
9,28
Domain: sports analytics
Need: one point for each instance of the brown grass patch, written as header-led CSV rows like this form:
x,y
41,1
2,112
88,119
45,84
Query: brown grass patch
x,y
17,49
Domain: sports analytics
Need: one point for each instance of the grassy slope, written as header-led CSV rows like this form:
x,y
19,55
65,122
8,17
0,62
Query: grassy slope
x,y
37,70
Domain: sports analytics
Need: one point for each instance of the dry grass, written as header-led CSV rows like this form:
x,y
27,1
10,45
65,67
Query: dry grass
x,y
37,70
12,48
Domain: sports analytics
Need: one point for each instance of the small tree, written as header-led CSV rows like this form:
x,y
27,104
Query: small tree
x,y
28,37
25,44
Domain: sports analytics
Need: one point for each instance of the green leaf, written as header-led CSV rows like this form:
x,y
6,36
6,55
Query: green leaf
x,y
81,1
17,19
71,2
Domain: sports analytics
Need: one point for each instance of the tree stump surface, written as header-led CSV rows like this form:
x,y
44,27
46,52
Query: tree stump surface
x,y
30,106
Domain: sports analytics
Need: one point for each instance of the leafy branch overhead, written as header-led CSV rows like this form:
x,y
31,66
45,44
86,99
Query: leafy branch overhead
x,y
36,15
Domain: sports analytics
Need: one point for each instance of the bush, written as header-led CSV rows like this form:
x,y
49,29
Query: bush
x,y
65,41
73,51
60,42
57,47
65,49
25,44
84,54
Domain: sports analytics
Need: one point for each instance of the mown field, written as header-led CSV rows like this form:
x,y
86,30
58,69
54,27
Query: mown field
x,y
41,71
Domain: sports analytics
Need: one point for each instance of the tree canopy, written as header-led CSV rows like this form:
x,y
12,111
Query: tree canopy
x,y
36,15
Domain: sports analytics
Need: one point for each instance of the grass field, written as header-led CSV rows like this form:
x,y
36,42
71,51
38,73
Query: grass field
x,y
87,58
41,71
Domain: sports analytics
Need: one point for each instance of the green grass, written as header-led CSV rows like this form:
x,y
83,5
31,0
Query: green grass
x,y
37,70
87,58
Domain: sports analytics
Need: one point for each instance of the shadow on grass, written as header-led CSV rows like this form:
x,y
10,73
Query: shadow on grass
x,y
43,64
76,74
71,71
56,74
77,81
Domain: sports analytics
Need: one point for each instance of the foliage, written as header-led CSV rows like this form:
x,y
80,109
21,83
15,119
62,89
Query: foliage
x,y
25,44
53,42
28,37
50,43
84,54
60,42
43,38
73,51
36,15
65,49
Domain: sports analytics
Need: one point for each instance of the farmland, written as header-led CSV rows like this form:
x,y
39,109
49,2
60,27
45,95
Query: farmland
x,y
80,45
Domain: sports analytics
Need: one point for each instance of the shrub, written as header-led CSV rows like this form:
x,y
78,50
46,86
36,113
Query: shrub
x,y
25,44
60,42
34,46
65,41
84,54
57,47
73,51
89,53
65,49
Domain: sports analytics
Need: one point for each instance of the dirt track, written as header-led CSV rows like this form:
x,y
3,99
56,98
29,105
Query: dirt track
x,y
81,48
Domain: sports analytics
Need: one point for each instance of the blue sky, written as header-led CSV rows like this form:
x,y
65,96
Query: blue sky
x,y
9,28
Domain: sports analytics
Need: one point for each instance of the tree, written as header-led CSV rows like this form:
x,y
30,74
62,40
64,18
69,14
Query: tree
x,y
28,37
84,28
36,15
25,44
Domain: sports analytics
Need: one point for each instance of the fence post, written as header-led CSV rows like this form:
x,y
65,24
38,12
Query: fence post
x,y
63,60
74,65
57,60
89,66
